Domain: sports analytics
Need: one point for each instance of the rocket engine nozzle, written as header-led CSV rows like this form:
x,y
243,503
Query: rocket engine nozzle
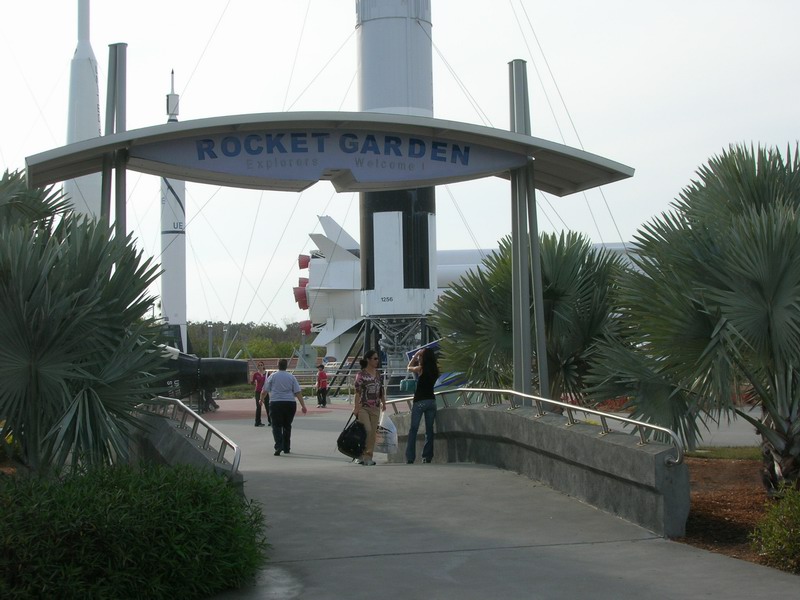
x,y
195,374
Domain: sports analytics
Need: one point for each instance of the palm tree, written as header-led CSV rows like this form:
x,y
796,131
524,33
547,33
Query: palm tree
x,y
712,316
578,291
77,351
21,206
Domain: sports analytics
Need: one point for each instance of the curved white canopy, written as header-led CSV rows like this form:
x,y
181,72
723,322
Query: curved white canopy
x,y
355,151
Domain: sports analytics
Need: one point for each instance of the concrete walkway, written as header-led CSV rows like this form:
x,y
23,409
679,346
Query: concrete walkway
x,y
461,531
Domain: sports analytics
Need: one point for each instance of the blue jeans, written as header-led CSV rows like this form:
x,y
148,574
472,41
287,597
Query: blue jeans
x,y
420,408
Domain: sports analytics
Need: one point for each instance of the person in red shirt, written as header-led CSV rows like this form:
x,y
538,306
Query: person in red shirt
x,y
259,377
322,387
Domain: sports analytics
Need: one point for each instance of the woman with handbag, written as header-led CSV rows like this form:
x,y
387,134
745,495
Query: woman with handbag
x,y
369,401
424,365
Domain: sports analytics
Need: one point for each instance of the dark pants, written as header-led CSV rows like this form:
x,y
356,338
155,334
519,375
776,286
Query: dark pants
x,y
258,407
282,417
322,396
420,408
208,400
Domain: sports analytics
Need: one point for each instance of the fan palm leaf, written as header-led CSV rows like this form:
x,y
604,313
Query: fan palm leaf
x,y
714,307
475,314
77,351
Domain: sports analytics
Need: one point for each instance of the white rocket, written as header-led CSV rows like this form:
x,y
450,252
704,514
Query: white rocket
x,y
398,228
83,120
173,242
397,254
331,291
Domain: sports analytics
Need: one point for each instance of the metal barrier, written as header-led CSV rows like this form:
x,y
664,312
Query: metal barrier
x,y
495,396
199,429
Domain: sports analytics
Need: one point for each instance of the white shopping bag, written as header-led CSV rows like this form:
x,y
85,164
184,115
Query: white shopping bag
x,y
386,436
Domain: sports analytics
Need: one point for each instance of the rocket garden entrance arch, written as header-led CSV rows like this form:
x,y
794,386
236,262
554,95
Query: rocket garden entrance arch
x,y
356,152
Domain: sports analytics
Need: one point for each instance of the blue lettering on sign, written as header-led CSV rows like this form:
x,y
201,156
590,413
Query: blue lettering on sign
x,y
439,151
416,148
299,142
460,155
255,144
391,145
275,142
252,144
231,146
370,145
205,148
348,143
320,137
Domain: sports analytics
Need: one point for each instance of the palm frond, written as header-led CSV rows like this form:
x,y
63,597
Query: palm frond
x,y
76,353
578,305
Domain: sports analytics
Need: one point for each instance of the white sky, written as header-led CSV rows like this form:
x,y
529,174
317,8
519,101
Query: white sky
x,y
658,86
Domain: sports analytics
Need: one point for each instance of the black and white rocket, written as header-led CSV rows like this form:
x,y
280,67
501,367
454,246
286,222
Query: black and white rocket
x,y
83,117
398,228
173,242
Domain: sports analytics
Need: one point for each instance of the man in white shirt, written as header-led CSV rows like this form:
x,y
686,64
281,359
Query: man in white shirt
x,y
283,389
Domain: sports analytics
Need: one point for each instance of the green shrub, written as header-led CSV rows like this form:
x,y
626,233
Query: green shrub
x,y
777,536
122,532
245,390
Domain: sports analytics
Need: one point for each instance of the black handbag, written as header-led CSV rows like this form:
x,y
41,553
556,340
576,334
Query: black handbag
x,y
353,438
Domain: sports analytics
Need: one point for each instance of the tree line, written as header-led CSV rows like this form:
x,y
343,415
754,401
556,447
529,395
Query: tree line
x,y
245,340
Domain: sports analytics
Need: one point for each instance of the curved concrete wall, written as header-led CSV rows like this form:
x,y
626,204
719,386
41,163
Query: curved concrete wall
x,y
162,441
612,472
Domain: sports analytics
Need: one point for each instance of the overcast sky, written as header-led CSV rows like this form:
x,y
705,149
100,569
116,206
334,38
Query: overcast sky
x,y
658,86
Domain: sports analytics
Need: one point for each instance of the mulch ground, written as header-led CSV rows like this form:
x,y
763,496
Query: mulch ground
x,y
727,501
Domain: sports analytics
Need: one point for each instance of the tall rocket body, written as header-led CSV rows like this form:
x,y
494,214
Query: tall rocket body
x,y
398,228
173,243
83,119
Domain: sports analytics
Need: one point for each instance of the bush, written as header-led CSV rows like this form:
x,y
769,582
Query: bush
x,y
246,390
122,532
777,536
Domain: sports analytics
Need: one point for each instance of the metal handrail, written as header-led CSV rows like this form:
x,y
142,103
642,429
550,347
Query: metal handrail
x,y
641,427
175,410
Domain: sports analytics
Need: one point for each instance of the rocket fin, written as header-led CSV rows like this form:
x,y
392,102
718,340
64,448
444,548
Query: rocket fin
x,y
332,251
336,233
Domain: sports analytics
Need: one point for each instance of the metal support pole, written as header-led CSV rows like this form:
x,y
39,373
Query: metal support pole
x,y
121,84
538,299
121,158
111,89
108,161
224,352
520,243
520,284
105,188
521,123
120,193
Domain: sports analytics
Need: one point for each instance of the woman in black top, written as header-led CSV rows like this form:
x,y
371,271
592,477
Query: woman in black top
x,y
424,366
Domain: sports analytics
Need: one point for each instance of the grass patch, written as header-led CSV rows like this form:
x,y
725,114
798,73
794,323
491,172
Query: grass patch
x,y
245,390
777,536
728,453
248,391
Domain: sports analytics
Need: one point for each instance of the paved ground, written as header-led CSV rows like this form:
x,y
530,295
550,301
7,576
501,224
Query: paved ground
x,y
440,531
